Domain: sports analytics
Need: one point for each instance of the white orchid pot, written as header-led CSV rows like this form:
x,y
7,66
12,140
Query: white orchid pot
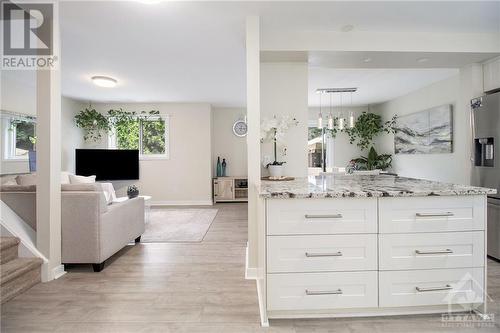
x,y
276,170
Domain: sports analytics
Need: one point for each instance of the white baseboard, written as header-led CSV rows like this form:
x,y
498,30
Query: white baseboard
x,y
58,271
183,203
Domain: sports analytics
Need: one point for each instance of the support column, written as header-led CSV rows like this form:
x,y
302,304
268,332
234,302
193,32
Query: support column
x,y
48,131
253,139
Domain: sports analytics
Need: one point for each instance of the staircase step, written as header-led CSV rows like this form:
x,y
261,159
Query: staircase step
x,y
18,276
8,249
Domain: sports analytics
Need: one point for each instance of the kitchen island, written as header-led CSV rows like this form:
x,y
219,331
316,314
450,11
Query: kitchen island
x,y
349,245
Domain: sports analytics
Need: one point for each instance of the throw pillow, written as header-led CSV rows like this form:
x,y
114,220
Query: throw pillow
x,y
26,180
73,179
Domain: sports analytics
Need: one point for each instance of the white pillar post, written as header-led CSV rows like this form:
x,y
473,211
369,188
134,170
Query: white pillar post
x,y
253,136
48,131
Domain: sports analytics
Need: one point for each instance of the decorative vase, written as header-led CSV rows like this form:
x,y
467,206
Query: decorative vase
x,y
132,192
224,164
276,170
219,167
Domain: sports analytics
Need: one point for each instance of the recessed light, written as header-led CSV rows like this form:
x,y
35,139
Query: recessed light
x,y
150,2
367,60
347,28
104,81
422,60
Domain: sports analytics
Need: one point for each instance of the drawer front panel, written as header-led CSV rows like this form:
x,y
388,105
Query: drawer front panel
x,y
431,214
433,250
320,253
319,291
431,287
321,216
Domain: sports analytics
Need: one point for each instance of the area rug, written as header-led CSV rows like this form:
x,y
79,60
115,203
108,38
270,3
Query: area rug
x,y
178,225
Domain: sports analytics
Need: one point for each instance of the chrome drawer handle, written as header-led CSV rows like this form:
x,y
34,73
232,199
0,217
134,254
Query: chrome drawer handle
x,y
434,252
327,216
323,292
334,254
447,287
434,214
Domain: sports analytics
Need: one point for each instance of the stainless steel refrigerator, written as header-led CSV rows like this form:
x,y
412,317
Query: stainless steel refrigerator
x,y
486,160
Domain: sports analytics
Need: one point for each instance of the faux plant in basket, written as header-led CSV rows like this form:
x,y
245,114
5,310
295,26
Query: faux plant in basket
x,y
274,130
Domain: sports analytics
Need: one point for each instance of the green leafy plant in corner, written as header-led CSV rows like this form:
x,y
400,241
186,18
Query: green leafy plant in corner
x,y
367,127
374,161
93,123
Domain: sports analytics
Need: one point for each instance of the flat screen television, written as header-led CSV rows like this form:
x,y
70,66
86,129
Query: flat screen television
x,y
108,164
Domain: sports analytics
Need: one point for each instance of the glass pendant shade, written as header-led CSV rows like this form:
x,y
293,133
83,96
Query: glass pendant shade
x,y
320,120
330,121
351,120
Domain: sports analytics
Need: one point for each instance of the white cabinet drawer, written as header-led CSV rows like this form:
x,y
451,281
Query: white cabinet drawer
x,y
432,250
431,287
316,291
319,253
431,214
321,216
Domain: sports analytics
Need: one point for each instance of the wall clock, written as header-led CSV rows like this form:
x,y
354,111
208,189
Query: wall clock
x,y
240,128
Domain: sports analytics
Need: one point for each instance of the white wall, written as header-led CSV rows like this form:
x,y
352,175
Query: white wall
x,y
227,145
72,136
283,89
185,178
343,151
452,167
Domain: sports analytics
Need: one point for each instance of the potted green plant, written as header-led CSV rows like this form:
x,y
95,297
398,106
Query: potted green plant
x,y
373,161
274,129
367,127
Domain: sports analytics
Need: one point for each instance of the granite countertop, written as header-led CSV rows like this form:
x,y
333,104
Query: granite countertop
x,y
340,185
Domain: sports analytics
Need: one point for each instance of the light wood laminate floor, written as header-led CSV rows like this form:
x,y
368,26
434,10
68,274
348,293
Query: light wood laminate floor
x,y
186,287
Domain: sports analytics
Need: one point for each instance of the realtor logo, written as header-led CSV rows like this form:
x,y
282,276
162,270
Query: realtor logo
x,y
27,31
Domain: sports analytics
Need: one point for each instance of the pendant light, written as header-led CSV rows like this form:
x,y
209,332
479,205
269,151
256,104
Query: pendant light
x,y
320,116
330,116
341,116
351,115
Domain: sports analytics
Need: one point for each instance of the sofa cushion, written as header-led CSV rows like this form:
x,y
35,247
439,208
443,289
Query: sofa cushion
x,y
65,177
27,179
109,192
73,179
18,188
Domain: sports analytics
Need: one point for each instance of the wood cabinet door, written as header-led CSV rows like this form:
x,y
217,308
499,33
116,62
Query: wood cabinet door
x,y
224,189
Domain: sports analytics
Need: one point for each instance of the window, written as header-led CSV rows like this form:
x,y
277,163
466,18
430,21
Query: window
x,y
20,137
149,135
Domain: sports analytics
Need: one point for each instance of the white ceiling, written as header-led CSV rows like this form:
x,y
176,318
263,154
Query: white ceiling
x,y
374,85
194,51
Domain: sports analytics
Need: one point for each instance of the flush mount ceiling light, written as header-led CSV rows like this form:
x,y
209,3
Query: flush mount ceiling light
x,y
422,60
104,81
347,28
367,60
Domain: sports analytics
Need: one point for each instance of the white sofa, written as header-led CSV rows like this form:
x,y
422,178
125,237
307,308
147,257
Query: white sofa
x,y
91,230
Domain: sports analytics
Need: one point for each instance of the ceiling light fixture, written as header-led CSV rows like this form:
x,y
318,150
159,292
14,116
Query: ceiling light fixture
x,y
422,60
347,28
150,2
367,60
104,81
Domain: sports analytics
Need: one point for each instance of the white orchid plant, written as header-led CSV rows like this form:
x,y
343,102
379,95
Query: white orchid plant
x,y
274,129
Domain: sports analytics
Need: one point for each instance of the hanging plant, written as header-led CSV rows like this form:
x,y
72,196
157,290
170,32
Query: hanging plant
x,y
367,127
93,123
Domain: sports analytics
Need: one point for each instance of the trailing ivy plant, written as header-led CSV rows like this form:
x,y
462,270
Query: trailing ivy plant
x,y
93,123
126,123
367,127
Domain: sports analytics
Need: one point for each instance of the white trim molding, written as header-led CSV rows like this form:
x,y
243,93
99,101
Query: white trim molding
x,y
183,203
